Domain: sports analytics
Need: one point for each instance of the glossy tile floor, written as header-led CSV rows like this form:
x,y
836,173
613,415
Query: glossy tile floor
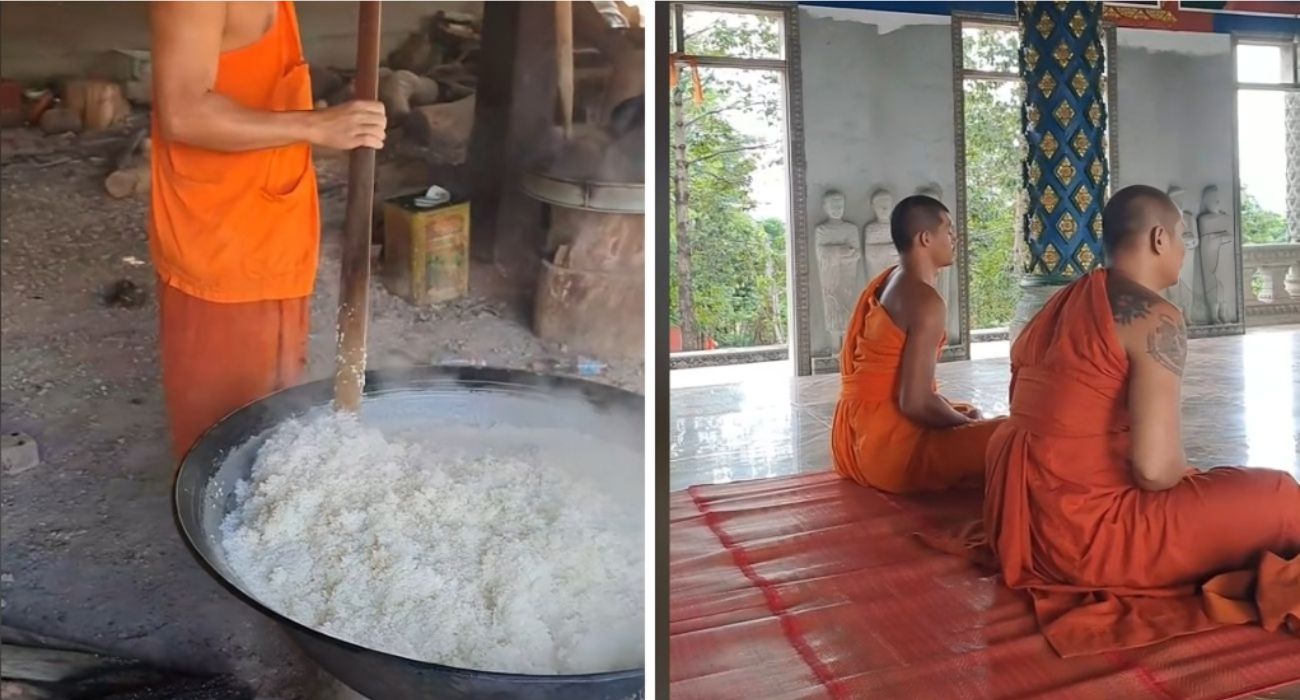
x,y
1240,407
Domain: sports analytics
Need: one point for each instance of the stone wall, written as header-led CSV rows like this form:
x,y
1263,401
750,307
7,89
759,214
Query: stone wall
x,y
1175,110
878,112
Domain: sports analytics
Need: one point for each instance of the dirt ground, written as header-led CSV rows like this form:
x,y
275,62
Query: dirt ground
x,y
89,550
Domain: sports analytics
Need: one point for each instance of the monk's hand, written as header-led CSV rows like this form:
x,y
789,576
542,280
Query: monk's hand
x,y
969,411
356,124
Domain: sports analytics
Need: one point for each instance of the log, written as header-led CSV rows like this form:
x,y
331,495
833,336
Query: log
x,y
445,128
106,106
418,53
564,61
100,104
59,120
121,184
401,90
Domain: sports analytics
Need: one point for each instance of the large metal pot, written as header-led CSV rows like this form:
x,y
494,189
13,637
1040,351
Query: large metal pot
x,y
204,494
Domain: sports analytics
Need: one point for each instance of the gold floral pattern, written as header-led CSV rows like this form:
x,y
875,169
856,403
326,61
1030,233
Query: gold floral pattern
x,y
1082,198
1031,115
1084,257
1095,171
1065,172
1050,199
1035,173
1078,24
1094,113
1031,57
1064,113
1051,257
1045,26
1050,145
1047,84
1079,83
1080,143
1067,226
1035,226
1062,54
1093,54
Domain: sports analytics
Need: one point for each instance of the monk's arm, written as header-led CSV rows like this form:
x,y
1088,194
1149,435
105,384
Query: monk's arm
x,y
916,397
186,50
1157,348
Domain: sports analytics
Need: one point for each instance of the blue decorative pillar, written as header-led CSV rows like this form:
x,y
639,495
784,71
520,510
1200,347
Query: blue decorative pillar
x,y
1065,172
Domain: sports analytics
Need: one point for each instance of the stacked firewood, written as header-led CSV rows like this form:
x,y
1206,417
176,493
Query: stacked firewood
x,y
427,85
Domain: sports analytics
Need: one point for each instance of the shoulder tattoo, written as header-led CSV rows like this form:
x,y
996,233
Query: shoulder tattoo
x,y
1167,343
1129,306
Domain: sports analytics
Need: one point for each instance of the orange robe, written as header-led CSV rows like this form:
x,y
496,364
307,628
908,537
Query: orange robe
x,y
872,442
234,238
1109,565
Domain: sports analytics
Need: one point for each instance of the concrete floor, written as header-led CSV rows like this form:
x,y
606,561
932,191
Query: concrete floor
x,y
1240,406
89,551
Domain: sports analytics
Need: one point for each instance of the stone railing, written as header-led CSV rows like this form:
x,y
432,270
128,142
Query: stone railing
x,y
1277,266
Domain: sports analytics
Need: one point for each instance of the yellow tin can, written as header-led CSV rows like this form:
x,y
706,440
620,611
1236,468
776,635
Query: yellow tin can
x,y
426,251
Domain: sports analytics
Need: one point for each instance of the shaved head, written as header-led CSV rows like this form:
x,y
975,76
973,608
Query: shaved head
x,y
1132,211
913,215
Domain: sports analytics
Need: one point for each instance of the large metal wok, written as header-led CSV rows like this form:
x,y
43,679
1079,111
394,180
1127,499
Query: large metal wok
x,y
430,396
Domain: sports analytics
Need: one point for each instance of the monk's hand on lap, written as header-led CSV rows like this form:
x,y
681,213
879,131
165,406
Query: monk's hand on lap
x,y
970,412
356,124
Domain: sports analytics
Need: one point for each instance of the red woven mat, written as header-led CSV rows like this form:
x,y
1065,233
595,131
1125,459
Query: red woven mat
x,y
813,587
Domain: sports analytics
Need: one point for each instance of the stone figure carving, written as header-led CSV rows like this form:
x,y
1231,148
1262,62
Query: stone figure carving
x,y
947,281
839,264
1183,295
1215,229
877,243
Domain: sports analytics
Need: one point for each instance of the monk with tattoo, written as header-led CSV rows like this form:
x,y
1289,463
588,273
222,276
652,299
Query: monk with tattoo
x,y
1090,503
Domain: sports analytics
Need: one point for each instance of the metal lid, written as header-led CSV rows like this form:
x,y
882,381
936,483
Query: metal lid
x,y
608,197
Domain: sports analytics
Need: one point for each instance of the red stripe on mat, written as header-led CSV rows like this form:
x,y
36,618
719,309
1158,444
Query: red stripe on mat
x,y
809,587
773,598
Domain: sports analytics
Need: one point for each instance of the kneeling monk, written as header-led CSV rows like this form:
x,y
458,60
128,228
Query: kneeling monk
x,y
1090,503
892,429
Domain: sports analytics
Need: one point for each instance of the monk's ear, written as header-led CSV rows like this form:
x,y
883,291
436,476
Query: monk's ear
x,y
1159,239
923,239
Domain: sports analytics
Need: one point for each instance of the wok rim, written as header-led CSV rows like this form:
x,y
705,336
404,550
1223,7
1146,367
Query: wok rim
x,y
377,383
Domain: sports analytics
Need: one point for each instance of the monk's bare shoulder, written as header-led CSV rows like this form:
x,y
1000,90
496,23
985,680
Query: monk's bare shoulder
x,y
1148,324
914,304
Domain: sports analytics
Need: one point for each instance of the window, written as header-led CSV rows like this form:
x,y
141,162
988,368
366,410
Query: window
x,y
1267,78
729,186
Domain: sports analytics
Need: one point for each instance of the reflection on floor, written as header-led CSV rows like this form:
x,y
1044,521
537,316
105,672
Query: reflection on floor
x,y
1240,406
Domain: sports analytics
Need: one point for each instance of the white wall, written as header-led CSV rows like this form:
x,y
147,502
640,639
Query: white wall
x,y
878,112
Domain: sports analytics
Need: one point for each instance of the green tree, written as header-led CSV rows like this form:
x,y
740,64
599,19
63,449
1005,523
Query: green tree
x,y
727,280
993,157
1259,225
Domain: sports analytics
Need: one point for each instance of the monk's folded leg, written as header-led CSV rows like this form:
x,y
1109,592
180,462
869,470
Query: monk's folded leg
x,y
949,457
1225,519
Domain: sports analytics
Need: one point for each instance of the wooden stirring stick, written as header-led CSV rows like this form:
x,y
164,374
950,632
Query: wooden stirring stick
x,y
354,292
